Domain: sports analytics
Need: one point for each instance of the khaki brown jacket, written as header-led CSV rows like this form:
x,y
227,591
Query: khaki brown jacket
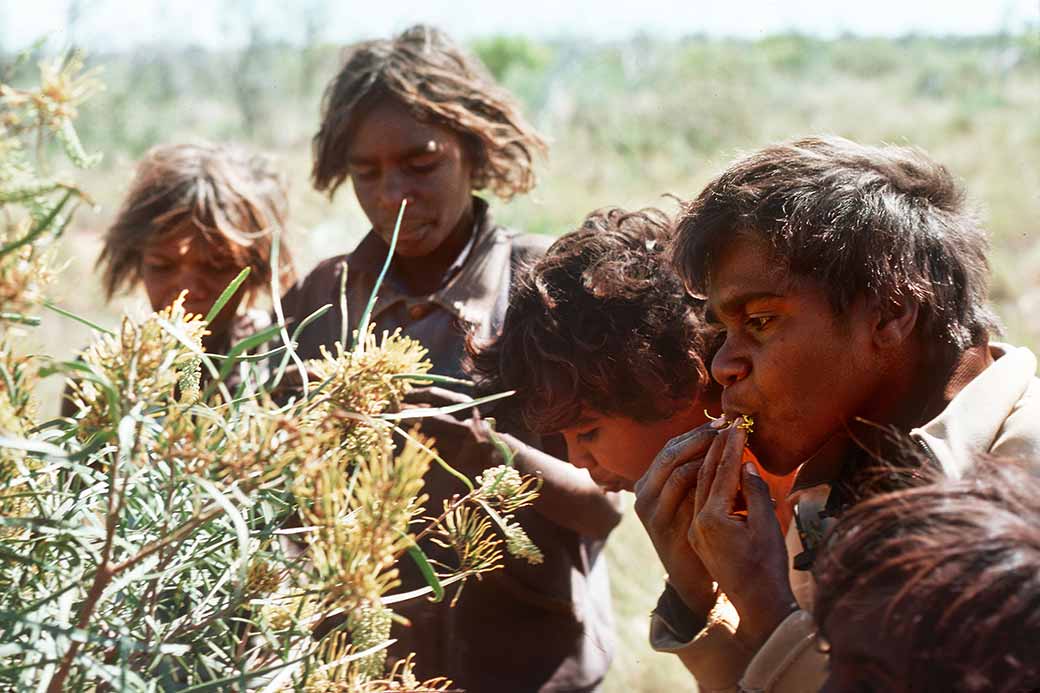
x,y
997,412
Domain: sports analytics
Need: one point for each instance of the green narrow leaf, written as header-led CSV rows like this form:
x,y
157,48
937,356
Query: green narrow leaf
x,y
241,529
41,226
221,684
92,325
431,378
363,324
426,569
292,340
276,297
12,556
508,454
309,319
255,340
37,447
226,294
412,594
249,358
20,318
420,413
493,514
436,458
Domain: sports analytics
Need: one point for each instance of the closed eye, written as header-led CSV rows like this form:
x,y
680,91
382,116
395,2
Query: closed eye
x,y
358,172
424,164
589,435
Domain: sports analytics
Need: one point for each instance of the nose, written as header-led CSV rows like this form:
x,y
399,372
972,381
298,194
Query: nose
x,y
200,287
730,366
393,189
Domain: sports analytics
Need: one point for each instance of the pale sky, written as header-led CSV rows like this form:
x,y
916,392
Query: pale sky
x,y
119,24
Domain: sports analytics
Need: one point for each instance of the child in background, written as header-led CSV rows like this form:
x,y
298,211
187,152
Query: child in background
x,y
195,216
936,588
416,118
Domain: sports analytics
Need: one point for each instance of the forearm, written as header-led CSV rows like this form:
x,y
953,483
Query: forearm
x,y
568,497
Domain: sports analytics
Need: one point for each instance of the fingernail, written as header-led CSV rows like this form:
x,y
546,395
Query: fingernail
x,y
750,469
719,423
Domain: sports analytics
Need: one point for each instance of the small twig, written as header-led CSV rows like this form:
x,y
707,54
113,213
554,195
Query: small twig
x,y
102,577
178,534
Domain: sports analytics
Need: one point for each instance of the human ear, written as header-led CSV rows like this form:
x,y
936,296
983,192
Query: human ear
x,y
896,319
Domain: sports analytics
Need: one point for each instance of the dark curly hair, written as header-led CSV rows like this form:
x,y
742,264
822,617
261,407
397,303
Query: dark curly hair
x,y
235,198
951,571
600,322
883,222
424,70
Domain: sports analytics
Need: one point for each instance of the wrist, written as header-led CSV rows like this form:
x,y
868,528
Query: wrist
x,y
754,631
698,596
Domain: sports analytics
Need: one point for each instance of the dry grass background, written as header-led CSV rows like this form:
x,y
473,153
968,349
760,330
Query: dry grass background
x,y
628,122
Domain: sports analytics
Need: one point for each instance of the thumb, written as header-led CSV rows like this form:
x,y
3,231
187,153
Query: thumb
x,y
756,491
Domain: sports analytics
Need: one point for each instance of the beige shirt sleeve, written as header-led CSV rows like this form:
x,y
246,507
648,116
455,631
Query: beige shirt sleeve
x,y
713,655
789,662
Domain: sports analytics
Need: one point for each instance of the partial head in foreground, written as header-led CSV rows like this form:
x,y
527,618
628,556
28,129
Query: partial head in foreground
x,y
417,117
602,344
195,216
835,268
936,588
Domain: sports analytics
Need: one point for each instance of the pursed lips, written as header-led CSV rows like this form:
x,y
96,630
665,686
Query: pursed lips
x,y
609,482
732,409
409,228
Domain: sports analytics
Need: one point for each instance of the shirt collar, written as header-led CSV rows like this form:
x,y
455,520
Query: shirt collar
x,y
472,285
828,464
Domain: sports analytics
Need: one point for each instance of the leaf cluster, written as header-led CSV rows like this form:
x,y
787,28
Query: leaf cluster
x,y
183,532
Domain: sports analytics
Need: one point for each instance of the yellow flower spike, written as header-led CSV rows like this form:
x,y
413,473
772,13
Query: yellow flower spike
x,y
747,423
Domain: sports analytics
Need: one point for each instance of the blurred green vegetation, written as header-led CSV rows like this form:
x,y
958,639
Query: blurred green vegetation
x,y
628,122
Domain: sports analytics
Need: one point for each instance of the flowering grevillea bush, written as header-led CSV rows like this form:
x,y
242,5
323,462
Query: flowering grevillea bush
x,y
181,532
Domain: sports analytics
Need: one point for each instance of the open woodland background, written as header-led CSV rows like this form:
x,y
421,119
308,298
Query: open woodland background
x,y
628,122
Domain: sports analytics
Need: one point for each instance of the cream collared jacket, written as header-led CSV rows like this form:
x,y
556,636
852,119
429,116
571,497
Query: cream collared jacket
x,y
998,412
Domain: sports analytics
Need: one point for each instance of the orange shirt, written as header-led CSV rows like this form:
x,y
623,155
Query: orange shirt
x,y
779,487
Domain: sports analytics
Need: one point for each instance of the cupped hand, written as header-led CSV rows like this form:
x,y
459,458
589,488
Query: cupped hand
x,y
665,506
745,554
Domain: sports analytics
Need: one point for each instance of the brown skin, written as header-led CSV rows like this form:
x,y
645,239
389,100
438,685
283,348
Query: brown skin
x,y
182,258
745,554
787,361
665,505
803,373
615,450
567,496
395,156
